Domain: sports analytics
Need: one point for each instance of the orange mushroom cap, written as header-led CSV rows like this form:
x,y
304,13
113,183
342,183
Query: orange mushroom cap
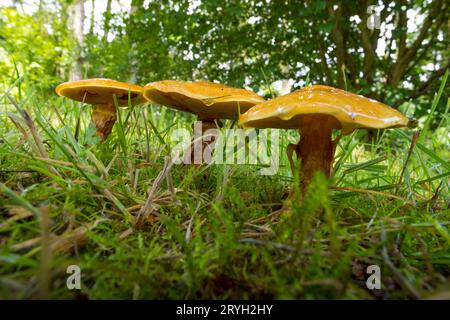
x,y
100,91
350,110
207,100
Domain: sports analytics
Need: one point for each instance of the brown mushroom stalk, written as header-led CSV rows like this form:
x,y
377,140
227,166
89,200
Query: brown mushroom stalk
x,y
315,149
205,142
104,116
315,111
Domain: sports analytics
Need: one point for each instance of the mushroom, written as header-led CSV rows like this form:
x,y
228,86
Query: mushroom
x,y
315,111
209,101
99,93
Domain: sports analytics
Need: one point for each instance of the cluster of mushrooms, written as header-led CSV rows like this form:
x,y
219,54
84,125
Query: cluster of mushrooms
x,y
314,110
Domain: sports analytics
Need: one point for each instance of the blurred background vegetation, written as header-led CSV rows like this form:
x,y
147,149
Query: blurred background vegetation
x,y
268,46
67,199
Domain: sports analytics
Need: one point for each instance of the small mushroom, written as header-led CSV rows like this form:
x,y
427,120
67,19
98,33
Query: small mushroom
x,y
315,111
99,93
209,101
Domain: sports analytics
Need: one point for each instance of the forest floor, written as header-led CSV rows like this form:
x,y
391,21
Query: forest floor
x,y
219,231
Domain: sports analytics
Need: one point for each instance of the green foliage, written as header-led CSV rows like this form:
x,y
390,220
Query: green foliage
x,y
241,43
34,47
221,231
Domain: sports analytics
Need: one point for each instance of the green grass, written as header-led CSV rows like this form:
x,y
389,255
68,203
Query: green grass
x,y
215,232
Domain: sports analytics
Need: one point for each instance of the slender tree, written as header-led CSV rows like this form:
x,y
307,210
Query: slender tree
x,y
76,21
107,20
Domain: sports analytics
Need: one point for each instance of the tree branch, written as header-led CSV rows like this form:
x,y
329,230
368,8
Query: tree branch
x,y
367,43
405,55
338,39
425,87
323,61
402,24
435,11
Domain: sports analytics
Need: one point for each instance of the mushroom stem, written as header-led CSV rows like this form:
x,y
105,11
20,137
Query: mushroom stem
x,y
104,117
315,149
199,143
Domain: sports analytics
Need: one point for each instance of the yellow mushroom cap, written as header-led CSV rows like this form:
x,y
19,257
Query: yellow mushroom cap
x,y
207,100
350,110
100,91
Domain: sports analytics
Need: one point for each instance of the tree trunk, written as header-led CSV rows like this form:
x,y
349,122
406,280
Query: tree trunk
x,y
135,6
76,22
106,23
338,38
92,21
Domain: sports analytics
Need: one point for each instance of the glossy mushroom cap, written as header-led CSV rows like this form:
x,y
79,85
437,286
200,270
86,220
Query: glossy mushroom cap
x,y
100,91
348,111
209,101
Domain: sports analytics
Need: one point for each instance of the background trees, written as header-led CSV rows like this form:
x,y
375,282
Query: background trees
x,y
224,236
244,43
